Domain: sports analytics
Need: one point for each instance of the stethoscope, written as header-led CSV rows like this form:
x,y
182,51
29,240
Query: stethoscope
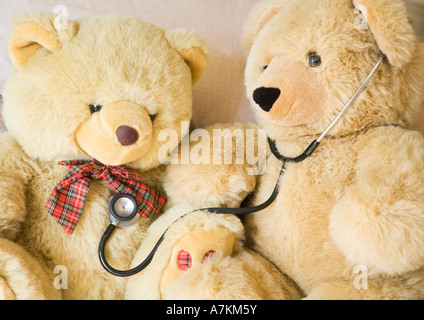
x,y
123,207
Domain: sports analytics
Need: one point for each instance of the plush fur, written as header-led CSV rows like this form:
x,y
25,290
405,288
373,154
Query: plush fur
x,y
131,68
354,210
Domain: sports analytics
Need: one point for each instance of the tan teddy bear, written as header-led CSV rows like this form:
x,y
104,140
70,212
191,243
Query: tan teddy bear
x,y
203,257
84,100
348,221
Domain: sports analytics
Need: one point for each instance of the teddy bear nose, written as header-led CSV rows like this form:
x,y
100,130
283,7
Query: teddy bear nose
x,y
266,97
126,135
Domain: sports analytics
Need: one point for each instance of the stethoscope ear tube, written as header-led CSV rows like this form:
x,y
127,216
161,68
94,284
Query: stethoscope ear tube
x,y
308,152
120,273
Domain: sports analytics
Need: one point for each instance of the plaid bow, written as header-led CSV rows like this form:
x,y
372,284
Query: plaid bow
x,y
68,197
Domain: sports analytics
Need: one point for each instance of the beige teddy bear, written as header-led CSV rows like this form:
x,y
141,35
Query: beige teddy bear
x,y
85,99
348,220
203,257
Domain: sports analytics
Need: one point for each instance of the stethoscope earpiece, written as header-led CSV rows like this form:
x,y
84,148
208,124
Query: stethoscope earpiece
x,y
123,212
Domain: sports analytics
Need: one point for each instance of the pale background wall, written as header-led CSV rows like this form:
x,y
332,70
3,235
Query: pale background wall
x,y
220,95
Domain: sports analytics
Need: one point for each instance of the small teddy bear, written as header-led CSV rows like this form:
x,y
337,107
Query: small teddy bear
x,y
203,257
348,220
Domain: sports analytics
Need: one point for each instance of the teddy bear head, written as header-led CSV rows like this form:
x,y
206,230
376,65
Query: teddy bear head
x,y
100,88
307,59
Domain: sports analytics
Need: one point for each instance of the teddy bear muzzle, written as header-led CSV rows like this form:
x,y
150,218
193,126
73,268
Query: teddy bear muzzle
x,y
290,93
119,133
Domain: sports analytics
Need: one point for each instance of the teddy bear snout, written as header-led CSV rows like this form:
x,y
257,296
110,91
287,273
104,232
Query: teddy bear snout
x,y
117,134
127,136
266,97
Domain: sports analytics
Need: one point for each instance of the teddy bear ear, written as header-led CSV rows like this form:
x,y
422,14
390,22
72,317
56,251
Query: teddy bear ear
x,y
260,15
192,48
389,23
30,33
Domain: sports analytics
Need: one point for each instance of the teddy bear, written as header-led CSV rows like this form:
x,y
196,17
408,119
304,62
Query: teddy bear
x,y
203,257
84,108
82,168
348,219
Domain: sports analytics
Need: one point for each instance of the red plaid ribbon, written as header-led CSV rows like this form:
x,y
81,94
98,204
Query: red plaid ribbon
x,y
67,199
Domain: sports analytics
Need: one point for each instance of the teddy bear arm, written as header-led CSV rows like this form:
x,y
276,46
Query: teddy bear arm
x,y
217,174
23,276
379,222
15,173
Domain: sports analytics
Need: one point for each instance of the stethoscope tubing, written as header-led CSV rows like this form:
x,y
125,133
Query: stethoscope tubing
x,y
123,273
143,265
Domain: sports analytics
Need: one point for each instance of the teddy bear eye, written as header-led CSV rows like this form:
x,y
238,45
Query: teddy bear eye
x,y
152,117
314,60
264,68
95,108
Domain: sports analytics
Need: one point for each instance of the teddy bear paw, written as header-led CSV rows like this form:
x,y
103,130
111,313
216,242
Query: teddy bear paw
x,y
196,250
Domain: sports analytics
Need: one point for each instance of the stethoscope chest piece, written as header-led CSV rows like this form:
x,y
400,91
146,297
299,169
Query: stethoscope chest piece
x,y
123,211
